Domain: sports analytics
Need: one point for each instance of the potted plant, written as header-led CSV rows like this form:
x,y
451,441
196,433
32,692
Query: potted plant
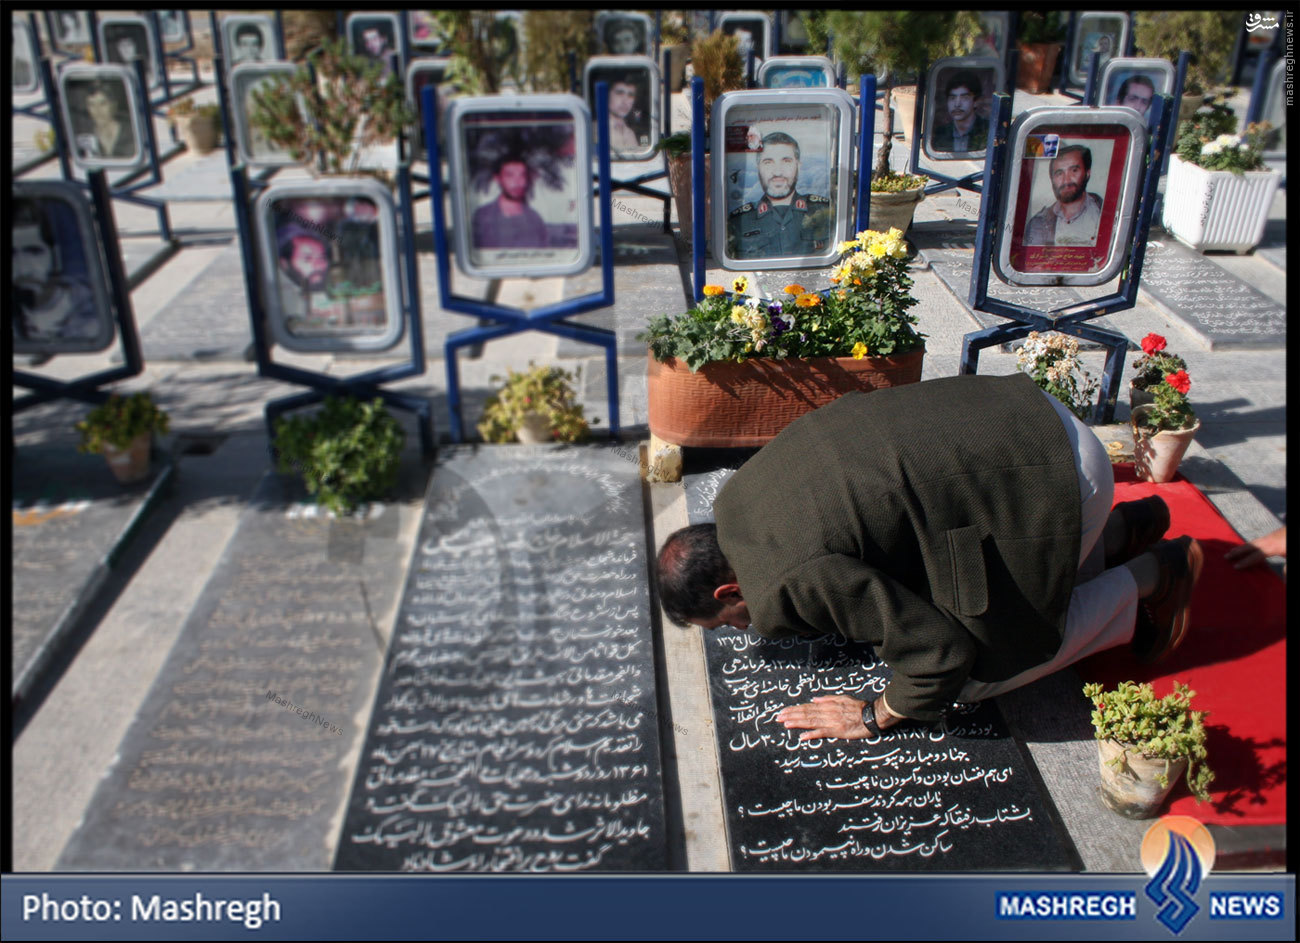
x,y
1151,369
1040,46
1208,35
335,114
536,406
716,59
196,125
894,199
1219,192
1145,743
347,452
1164,429
1053,362
121,429
734,370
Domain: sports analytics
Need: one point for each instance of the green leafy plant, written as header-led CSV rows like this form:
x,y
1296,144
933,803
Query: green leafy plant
x,y
1156,363
1164,727
1053,362
182,108
1171,409
1207,34
349,451
675,144
894,182
1208,139
866,313
348,107
483,50
307,30
546,391
119,420
550,35
716,59
1041,27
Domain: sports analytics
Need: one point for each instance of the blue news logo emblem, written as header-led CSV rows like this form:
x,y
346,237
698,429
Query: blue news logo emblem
x,y
1178,853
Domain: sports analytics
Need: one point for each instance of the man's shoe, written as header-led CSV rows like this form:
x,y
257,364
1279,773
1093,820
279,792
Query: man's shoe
x,y
1145,522
1169,608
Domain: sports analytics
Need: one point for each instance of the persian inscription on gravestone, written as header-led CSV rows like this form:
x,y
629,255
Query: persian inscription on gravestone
x,y
1227,312
958,796
214,774
515,728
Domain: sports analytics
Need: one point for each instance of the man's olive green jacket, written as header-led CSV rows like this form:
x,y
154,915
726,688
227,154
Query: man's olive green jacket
x,y
938,521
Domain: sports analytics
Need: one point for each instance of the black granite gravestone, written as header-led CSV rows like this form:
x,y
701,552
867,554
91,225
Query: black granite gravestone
x,y
1222,309
515,727
958,796
237,759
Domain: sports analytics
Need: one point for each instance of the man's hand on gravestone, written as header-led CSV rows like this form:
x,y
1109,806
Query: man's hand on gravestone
x,y
835,716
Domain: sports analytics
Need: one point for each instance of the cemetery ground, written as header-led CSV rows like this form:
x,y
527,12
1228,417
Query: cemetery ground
x,y
200,538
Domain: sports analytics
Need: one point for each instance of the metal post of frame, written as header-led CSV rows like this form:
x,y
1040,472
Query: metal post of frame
x,y
1259,87
93,22
161,63
549,319
404,40
1180,79
1130,43
712,20
659,15
665,59
866,141
1239,53
572,58
1011,62
1090,90
279,35
698,183
87,389
45,110
776,33
61,142
1063,60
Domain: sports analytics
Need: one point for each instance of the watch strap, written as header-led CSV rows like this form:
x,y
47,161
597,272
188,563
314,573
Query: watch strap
x,y
869,720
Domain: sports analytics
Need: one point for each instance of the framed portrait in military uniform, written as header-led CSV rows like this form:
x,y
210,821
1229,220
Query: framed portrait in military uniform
x,y
753,32
781,187
1104,33
422,72
1134,83
796,72
26,76
102,116
624,34
958,94
521,194
58,289
633,103
1070,199
246,79
124,39
330,273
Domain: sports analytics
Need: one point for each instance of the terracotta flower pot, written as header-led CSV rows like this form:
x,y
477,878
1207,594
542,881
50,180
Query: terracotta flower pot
x,y
1139,396
130,464
1156,456
1037,63
1132,788
744,405
534,429
199,132
894,210
679,181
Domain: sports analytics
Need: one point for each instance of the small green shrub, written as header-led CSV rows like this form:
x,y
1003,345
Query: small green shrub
x,y
545,390
348,452
119,420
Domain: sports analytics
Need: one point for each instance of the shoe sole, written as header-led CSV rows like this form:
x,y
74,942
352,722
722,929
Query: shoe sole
x,y
1182,620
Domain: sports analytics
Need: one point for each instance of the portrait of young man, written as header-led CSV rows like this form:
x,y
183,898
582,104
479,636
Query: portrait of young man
x,y
508,222
957,122
375,38
125,42
751,36
631,124
784,221
1074,216
101,119
623,36
54,306
247,42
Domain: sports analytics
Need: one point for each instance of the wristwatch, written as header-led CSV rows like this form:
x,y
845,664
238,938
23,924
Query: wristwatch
x,y
869,720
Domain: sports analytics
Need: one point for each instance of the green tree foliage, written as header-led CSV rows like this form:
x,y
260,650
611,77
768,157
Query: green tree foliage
x,y
483,49
1207,34
717,61
550,35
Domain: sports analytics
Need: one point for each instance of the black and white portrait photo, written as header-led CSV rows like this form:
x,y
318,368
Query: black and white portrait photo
x,y
58,296
780,177
25,77
125,39
633,103
374,35
71,28
959,93
1134,83
101,116
248,39
329,258
624,34
523,205
246,80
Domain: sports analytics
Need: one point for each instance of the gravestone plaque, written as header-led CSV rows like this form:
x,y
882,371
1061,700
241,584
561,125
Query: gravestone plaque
x,y
515,727
1222,310
237,760
956,796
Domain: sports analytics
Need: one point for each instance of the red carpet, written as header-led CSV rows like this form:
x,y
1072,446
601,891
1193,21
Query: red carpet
x,y
1234,658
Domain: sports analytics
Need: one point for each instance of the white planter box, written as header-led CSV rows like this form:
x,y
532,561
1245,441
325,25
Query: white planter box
x,y
1217,209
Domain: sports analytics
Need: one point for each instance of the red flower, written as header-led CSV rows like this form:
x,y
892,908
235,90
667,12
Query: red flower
x,y
1151,343
1179,381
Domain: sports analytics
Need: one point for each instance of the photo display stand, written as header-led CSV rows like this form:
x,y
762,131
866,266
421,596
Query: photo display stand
x,y
1068,86
66,54
1069,319
365,385
864,149
548,318
88,389
638,183
920,128
125,189
1259,87
193,83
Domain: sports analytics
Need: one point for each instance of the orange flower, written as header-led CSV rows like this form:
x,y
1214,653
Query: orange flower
x,y
808,300
712,290
857,281
795,289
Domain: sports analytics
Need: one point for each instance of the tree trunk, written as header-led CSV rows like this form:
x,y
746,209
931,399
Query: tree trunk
x,y
881,167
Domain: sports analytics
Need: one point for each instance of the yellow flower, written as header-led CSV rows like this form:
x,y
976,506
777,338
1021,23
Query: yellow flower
x,y
712,290
859,350
795,289
878,249
866,236
848,244
808,300
740,284
738,314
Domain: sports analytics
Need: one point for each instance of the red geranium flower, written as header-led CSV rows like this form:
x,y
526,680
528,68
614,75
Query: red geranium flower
x,y
1179,381
1151,343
